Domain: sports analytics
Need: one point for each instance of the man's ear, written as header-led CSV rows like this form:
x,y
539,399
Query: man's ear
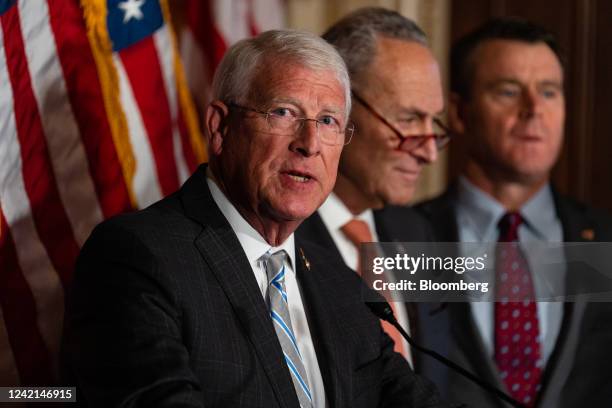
x,y
456,113
216,126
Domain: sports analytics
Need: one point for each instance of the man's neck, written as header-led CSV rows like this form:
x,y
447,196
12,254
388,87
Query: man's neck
x,y
275,233
353,197
512,194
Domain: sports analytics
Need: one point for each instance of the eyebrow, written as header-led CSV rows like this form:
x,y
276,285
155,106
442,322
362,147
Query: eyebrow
x,y
295,102
284,100
555,84
502,81
418,112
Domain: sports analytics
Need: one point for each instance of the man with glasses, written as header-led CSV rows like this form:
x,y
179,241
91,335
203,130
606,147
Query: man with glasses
x,y
206,298
508,107
397,97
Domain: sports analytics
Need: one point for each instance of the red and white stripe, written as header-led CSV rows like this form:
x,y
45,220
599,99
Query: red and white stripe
x,y
66,151
28,269
60,173
146,187
214,25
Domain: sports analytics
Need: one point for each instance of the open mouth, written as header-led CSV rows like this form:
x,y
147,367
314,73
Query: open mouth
x,y
407,172
298,176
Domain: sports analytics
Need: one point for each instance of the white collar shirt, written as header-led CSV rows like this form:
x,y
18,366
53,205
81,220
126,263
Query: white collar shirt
x,y
255,246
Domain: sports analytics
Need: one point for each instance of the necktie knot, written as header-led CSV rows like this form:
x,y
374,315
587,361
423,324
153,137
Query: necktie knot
x,y
274,266
357,231
508,226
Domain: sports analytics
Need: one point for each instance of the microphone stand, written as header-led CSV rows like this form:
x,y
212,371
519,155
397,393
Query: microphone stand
x,y
383,311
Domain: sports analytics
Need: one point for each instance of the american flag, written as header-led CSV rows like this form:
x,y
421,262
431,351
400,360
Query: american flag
x,y
210,27
95,119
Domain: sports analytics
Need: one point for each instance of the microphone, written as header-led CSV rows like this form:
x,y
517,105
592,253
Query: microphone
x,y
383,311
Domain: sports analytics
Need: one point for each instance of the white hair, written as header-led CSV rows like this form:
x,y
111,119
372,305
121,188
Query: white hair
x,y
235,74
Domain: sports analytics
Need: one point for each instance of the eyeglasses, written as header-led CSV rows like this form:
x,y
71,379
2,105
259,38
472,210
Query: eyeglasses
x,y
442,134
284,121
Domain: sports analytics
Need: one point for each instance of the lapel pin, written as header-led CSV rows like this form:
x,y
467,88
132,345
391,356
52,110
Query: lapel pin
x,y
588,234
304,259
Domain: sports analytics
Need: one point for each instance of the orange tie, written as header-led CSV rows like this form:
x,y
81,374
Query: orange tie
x,y
358,231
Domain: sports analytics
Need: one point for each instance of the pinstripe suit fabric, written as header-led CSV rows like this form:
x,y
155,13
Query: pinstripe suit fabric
x,y
165,312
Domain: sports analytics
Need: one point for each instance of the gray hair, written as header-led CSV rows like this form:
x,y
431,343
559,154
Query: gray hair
x,y
235,74
355,35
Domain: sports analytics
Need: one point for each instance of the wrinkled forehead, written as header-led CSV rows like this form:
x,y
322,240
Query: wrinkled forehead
x,y
276,74
404,76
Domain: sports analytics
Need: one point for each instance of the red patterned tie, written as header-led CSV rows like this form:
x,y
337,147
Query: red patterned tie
x,y
517,346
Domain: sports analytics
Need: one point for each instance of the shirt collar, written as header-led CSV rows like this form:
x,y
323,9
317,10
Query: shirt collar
x,y
481,210
484,212
253,244
539,212
335,214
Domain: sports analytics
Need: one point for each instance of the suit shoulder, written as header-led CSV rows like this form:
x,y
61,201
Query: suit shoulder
x,y
575,206
162,217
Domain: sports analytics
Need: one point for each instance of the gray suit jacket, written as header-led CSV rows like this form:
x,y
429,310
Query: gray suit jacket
x,y
579,372
166,312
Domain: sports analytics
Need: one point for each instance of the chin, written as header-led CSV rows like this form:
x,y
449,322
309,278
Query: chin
x,y
400,195
294,212
530,176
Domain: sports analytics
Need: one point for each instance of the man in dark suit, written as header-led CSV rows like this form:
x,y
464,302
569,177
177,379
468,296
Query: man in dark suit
x,y
205,299
507,105
397,95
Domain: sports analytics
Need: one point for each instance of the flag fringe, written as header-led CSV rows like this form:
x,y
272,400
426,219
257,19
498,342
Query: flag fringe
x,y
185,99
95,13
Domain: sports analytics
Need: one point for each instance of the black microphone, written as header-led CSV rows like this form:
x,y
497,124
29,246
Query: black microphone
x,y
383,311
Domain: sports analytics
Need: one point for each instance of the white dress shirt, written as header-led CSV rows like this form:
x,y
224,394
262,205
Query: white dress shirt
x,y
255,246
477,218
335,214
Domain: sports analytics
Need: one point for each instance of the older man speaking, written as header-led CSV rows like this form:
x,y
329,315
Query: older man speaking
x,y
205,299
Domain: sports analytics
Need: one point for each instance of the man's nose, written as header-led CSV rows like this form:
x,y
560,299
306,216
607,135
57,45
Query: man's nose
x,y
427,152
531,103
306,141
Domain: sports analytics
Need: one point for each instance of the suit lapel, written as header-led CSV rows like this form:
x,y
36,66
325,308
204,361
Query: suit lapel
x,y
322,321
574,223
560,361
314,230
223,254
468,338
382,229
441,215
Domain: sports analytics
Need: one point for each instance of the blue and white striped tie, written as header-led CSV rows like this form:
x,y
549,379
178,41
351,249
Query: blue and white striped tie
x,y
279,312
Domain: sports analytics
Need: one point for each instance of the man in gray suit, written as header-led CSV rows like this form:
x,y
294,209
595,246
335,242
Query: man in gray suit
x,y
508,108
205,299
